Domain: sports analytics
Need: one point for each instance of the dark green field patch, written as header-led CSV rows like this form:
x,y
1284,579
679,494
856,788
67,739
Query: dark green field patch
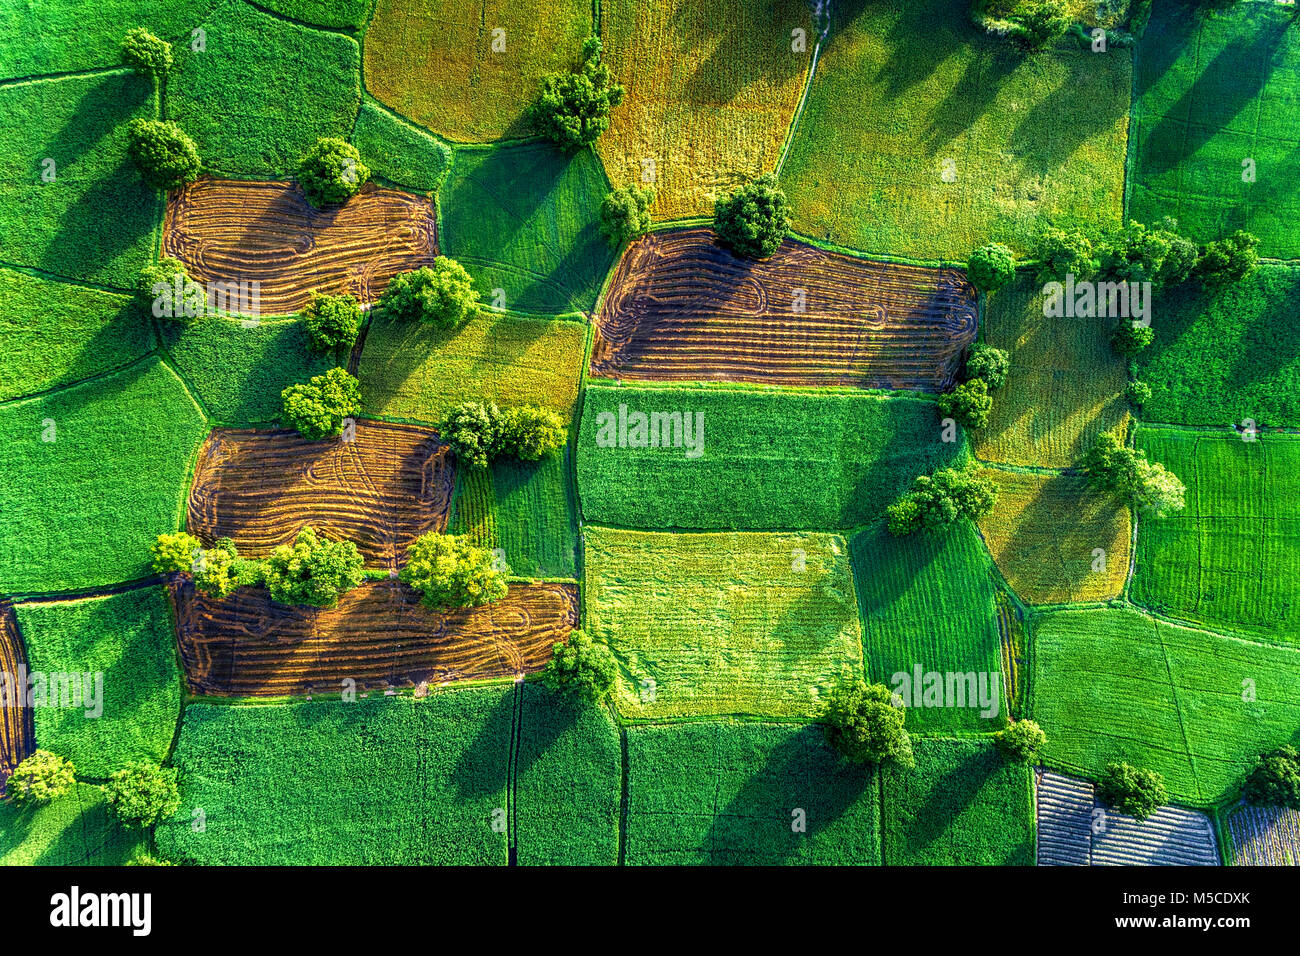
x,y
126,638
263,91
963,805
1216,142
238,370
378,781
718,793
569,780
92,474
95,220
1221,357
523,219
399,151
768,460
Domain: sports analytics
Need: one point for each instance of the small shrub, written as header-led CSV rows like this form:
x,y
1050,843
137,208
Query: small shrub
x,y
40,778
573,108
451,572
331,172
989,364
753,220
175,551
936,501
1275,781
168,159
991,267
474,432
968,403
1139,793
625,213
582,667
441,295
531,433
332,322
142,793
864,725
1021,741
146,54
313,570
1137,393
319,407
1129,339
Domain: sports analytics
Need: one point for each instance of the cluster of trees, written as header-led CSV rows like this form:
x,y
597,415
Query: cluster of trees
x,y
970,403
441,295
1145,485
1033,24
1125,788
479,432
449,571
936,501
319,407
625,213
573,108
1275,780
331,172
313,570
139,794
753,219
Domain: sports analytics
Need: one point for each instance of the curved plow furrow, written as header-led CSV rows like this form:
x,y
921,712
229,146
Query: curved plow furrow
x,y
681,308
232,231
382,490
17,736
380,636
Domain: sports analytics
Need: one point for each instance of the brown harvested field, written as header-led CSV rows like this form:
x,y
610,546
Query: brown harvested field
x,y
380,635
682,308
227,231
382,490
17,736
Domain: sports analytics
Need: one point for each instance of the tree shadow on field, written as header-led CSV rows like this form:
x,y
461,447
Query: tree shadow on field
x,y
1056,129
741,51
802,772
547,716
1221,83
482,769
918,47
1037,541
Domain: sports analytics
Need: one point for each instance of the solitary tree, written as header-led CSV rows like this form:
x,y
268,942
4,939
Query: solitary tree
x,y
313,570
936,501
573,107
968,403
441,295
147,55
331,171
168,159
1275,781
143,793
625,213
1021,741
991,267
1112,466
451,572
752,220
332,322
41,778
1125,788
582,667
864,725
319,407
530,433
1129,339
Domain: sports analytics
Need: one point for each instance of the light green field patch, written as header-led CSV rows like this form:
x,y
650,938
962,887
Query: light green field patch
x,y
412,371
92,474
56,333
1231,559
922,137
928,602
713,624
130,711
77,829
1114,684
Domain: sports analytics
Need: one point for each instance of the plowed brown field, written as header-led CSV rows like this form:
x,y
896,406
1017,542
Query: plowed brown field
x,y
380,635
228,231
386,487
682,308
17,736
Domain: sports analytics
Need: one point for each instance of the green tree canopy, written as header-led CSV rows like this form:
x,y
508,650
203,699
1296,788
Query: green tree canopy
x,y
40,778
331,172
451,572
573,108
313,570
863,723
167,158
753,220
319,407
583,667
143,793
441,295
